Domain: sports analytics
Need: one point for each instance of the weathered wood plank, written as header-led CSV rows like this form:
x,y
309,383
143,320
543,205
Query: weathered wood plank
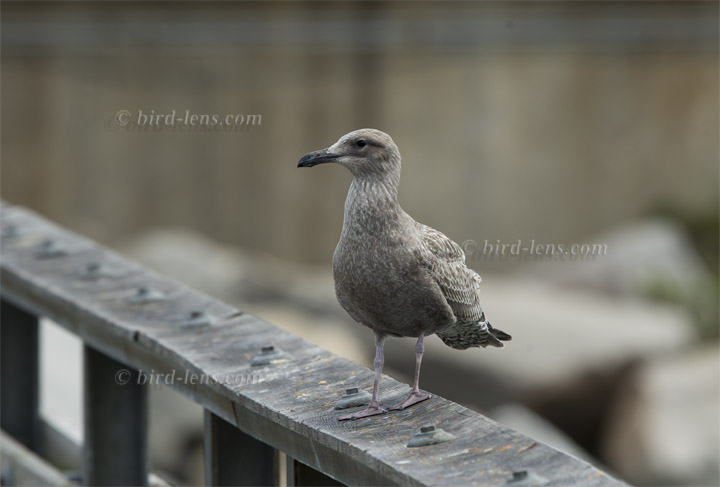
x,y
21,466
234,458
20,375
115,423
287,404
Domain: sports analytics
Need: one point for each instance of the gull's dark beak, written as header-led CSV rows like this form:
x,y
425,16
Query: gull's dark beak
x,y
317,157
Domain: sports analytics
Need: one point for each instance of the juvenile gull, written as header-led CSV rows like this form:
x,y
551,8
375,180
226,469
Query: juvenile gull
x,y
392,274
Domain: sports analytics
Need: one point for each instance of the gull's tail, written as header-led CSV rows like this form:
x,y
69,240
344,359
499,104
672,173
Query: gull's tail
x,y
478,334
499,335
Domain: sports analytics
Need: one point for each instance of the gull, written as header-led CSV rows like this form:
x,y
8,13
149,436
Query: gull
x,y
396,276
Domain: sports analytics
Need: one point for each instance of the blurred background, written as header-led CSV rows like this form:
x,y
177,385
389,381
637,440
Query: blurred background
x,y
553,123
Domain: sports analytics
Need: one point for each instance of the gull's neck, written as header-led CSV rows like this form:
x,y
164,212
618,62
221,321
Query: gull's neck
x,y
372,203
374,190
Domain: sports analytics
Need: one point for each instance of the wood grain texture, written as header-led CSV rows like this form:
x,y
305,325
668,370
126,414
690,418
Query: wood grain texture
x,y
288,405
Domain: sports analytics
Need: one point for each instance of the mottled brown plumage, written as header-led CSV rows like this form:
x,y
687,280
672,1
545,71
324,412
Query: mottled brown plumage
x,y
392,274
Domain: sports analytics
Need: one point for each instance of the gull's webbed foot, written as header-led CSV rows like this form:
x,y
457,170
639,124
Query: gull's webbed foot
x,y
371,410
414,398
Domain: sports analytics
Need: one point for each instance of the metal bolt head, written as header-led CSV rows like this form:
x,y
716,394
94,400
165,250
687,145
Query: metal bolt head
x,y
144,294
430,435
96,270
93,270
50,248
525,478
269,355
353,397
199,318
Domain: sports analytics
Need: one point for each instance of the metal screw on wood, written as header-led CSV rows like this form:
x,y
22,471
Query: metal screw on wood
x,y
353,397
50,248
145,294
198,318
94,270
523,478
269,355
430,435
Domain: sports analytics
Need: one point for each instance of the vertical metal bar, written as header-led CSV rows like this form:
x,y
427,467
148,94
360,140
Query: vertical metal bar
x,y
19,375
299,474
115,422
234,458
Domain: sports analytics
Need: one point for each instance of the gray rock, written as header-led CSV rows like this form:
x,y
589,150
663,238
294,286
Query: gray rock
x,y
638,256
663,429
560,334
188,257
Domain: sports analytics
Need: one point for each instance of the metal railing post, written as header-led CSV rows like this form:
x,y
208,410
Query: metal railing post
x,y
115,422
19,379
235,458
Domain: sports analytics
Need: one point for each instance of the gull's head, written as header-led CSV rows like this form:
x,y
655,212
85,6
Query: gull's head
x,y
363,152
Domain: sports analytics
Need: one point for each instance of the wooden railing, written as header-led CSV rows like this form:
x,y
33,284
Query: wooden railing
x,y
257,401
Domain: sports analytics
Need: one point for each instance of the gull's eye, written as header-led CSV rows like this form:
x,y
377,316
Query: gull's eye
x,y
360,143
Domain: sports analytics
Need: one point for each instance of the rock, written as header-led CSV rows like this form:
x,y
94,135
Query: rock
x,y
560,334
188,257
638,256
663,428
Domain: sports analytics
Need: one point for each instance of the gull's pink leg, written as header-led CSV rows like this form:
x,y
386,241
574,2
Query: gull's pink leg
x,y
374,406
416,395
